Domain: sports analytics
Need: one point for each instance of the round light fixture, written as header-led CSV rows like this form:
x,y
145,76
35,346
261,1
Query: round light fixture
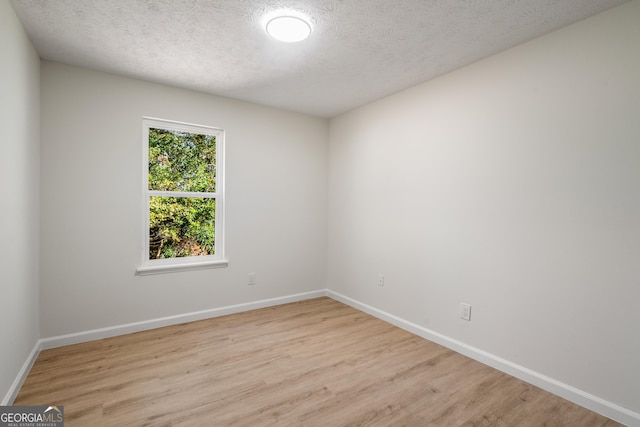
x,y
288,29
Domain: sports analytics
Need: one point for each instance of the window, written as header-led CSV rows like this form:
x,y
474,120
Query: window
x,y
183,196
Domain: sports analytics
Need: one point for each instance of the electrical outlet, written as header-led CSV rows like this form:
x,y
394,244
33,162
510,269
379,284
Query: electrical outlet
x,y
381,280
252,278
465,311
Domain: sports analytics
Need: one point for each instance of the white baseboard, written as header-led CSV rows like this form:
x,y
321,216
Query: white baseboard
x,y
112,331
22,375
572,394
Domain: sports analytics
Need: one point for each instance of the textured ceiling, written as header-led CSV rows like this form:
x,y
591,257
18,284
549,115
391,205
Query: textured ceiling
x,y
359,51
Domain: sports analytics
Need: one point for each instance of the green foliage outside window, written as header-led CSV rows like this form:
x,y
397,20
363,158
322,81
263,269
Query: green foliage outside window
x,y
181,162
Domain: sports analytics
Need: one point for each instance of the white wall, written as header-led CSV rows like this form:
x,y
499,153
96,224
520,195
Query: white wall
x,y
19,204
276,223
513,185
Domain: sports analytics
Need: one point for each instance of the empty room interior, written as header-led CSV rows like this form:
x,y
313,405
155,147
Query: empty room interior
x,y
423,213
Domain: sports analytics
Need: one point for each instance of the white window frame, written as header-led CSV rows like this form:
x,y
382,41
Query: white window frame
x,y
155,266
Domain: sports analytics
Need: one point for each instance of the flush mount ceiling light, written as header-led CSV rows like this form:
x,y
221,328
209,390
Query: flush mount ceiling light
x,y
288,29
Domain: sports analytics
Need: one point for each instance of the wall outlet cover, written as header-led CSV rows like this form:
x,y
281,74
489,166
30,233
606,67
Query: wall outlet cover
x,y
465,311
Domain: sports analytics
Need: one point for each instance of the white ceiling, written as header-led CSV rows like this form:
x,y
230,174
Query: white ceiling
x,y
359,51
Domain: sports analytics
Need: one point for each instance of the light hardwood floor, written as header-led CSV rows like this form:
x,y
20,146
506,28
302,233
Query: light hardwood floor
x,y
310,363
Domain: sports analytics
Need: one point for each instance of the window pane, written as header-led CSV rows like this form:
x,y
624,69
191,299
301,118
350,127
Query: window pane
x,y
181,161
181,227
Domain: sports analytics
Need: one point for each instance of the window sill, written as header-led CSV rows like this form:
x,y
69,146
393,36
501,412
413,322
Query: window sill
x,y
174,268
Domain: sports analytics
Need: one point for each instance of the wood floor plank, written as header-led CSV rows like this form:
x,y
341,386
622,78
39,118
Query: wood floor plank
x,y
310,363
